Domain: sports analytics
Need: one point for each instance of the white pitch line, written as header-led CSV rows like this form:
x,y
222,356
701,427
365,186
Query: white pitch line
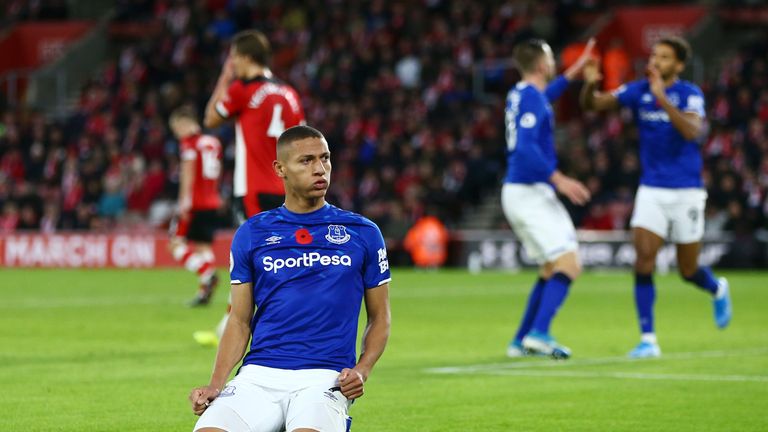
x,y
547,363
632,375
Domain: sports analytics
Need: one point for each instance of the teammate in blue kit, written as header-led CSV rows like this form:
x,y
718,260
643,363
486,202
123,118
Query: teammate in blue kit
x,y
306,267
670,201
528,196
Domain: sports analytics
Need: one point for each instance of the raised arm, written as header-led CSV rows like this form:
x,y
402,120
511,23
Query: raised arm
x,y
374,340
573,72
212,117
591,98
232,347
557,87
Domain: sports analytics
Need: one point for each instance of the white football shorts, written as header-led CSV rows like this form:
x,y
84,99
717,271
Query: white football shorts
x,y
539,219
263,399
676,215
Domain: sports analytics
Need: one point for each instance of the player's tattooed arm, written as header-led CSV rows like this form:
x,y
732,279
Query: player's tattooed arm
x,y
591,98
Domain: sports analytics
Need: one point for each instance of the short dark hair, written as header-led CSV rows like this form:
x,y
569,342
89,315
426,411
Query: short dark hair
x,y
183,112
297,133
680,46
527,53
253,44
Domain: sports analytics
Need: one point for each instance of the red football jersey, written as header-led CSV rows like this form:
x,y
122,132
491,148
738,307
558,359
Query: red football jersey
x,y
264,108
205,150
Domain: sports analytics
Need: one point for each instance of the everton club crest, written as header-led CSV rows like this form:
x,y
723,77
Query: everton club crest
x,y
337,234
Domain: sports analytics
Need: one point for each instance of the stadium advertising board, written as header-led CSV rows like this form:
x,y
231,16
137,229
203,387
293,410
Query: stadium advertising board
x,y
35,44
121,250
502,250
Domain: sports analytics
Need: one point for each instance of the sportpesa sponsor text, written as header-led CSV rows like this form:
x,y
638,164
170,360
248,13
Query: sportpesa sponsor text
x,y
305,260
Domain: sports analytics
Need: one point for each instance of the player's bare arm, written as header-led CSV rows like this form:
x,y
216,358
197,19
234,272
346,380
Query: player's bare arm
x,y
591,98
573,189
374,340
689,124
231,349
212,117
573,72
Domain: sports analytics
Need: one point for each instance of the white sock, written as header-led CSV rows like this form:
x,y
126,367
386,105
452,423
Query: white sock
x,y
721,290
648,338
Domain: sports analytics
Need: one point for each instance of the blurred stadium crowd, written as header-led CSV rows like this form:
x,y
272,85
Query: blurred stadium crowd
x,y
390,85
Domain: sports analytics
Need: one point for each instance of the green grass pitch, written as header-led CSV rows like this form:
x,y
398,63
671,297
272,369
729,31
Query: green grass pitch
x,y
110,350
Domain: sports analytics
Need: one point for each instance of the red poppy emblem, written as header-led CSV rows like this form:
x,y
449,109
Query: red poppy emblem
x,y
303,236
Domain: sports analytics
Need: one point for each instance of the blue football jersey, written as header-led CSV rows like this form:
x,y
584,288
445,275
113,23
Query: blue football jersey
x,y
309,272
667,159
530,124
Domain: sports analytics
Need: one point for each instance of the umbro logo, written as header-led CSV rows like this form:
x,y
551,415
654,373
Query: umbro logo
x,y
646,98
273,240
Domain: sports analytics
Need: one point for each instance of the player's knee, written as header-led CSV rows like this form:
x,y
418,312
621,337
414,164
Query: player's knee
x,y
577,269
687,272
645,267
645,260
568,264
687,267
573,271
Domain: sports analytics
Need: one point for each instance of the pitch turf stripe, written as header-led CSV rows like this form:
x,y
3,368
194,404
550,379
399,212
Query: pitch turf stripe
x,y
548,363
630,375
78,302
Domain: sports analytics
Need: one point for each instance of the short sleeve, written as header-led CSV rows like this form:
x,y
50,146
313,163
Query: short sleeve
x,y
376,265
533,114
230,105
694,102
556,88
628,94
240,263
187,151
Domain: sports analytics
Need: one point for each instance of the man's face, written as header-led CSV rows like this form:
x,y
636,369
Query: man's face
x,y
305,165
239,62
664,60
183,127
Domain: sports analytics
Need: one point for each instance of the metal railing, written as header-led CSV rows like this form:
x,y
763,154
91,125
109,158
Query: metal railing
x,y
50,86
11,85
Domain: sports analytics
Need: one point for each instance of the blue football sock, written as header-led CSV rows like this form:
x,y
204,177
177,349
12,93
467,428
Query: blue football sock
x,y
534,299
704,279
555,291
645,296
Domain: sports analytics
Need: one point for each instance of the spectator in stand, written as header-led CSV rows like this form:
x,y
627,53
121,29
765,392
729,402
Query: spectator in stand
x,y
427,242
617,66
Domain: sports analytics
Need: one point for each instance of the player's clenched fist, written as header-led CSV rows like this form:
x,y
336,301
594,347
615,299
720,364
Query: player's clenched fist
x,y
351,382
201,398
